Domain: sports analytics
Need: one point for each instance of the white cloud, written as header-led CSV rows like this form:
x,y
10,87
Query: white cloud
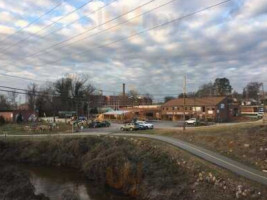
x,y
224,41
6,29
21,23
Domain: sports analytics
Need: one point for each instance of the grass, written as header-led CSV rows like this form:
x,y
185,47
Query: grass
x,y
245,142
24,128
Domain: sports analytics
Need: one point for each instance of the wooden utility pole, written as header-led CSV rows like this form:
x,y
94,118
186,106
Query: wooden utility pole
x,y
184,96
263,101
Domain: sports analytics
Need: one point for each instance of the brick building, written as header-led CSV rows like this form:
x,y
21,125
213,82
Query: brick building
x,y
11,115
219,109
148,112
117,102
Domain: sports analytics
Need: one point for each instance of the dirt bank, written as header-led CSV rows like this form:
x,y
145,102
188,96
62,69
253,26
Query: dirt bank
x,y
140,168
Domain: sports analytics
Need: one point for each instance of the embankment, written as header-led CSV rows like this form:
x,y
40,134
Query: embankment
x,y
139,168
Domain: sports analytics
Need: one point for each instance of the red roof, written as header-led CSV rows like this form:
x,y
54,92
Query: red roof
x,y
206,101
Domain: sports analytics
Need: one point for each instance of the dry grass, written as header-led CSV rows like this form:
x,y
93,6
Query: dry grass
x,y
246,142
28,129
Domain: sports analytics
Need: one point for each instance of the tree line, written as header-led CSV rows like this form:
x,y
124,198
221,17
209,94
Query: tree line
x,y
70,93
76,93
222,87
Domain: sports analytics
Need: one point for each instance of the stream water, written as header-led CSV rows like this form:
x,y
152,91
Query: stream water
x,y
53,182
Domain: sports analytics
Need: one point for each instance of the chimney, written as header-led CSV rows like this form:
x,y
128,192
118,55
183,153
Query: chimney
x,y
123,90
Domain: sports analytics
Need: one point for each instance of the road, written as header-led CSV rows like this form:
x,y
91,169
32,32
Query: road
x,y
212,157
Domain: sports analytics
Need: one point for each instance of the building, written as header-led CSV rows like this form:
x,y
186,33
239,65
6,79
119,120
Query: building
x,y
117,102
219,109
252,111
118,115
147,112
12,115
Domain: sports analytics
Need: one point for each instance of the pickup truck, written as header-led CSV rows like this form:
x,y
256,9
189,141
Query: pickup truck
x,y
192,121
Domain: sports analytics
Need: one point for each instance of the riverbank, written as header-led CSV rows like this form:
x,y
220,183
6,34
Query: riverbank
x,y
137,167
15,185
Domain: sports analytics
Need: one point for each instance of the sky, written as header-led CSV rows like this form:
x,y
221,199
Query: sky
x,y
112,45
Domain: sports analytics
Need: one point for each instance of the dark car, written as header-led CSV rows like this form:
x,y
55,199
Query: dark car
x,y
106,124
98,124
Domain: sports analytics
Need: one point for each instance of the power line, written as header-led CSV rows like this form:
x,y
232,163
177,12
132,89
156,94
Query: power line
x,y
18,77
34,21
77,99
49,25
153,94
149,29
118,25
106,5
95,27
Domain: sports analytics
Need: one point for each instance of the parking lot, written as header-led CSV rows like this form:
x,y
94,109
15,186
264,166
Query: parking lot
x,y
115,127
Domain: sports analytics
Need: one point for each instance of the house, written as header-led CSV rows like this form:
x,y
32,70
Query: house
x,y
12,115
219,109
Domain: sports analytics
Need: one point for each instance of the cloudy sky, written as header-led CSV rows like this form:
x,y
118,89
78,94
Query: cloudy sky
x,y
102,39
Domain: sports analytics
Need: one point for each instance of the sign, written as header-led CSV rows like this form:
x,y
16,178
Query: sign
x,y
210,112
261,110
177,113
197,109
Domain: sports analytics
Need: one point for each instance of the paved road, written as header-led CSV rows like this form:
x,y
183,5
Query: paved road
x,y
215,158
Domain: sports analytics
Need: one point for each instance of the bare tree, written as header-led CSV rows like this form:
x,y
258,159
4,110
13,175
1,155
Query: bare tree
x,y
13,96
4,104
32,95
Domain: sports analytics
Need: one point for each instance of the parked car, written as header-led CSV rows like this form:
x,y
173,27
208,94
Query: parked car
x,y
131,127
192,121
145,124
98,124
106,124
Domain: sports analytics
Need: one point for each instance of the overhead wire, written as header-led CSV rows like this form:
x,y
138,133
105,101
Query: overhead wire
x,y
34,21
146,30
49,25
91,29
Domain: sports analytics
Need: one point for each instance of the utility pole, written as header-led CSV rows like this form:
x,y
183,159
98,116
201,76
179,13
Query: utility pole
x,y
263,94
88,109
184,96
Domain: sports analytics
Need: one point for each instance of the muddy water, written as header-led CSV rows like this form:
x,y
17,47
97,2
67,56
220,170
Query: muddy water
x,y
53,182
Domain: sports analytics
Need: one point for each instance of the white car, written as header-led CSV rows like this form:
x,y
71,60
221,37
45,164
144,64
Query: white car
x,y
145,124
192,121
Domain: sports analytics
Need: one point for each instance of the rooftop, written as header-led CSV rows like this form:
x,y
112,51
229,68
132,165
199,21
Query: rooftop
x,y
206,101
